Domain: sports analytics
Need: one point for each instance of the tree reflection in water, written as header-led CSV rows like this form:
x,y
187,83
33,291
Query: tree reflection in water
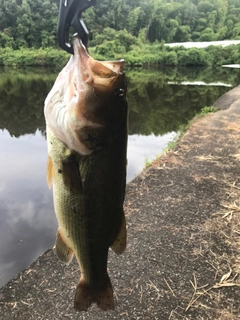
x,y
155,106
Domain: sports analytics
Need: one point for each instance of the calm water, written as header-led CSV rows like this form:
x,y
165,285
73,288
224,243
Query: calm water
x,y
160,103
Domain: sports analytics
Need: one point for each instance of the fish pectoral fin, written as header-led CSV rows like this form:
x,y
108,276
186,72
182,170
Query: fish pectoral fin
x,y
119,245
64,253
50,172
71,174
87,294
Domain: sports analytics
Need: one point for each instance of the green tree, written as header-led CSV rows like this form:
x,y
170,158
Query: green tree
x,y
5,41
207,35
205,7
183,34
132,21
24,26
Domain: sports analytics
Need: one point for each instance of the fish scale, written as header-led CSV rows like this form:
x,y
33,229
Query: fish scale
x,y
75,205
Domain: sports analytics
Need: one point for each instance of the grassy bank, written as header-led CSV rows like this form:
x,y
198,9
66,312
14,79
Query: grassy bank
x,y
139,54
159,54
33,57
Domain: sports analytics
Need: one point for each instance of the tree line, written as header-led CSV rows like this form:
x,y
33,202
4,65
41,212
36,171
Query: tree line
x,y
32,23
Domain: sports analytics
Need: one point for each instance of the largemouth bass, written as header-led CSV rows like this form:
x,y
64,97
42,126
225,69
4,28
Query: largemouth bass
x,y
86,120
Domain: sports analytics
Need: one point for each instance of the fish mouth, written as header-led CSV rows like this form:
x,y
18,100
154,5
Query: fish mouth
x,y
93,72
88,100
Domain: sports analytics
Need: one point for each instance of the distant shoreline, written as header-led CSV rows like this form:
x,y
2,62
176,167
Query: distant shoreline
x,y
148,55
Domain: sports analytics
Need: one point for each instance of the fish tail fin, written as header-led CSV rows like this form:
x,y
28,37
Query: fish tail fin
x,y
101,295
119,244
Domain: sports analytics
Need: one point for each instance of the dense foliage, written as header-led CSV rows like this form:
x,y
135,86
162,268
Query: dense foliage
x,y
145,55
33,57
122,28
32,23
168,20
159,54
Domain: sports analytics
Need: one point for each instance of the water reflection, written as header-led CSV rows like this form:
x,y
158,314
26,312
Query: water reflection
x,y
157,106
157,110
21,101
27,223
144,149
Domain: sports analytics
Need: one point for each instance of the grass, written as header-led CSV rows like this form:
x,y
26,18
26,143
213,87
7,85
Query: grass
x,y
147,163
205,111
182,130
227,280
223,225
171,144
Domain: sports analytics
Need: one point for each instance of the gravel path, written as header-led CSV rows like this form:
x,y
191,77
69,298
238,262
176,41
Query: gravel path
x,y
182,259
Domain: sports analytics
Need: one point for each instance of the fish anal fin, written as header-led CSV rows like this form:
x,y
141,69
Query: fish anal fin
x,y
63,252
50,172
87,294
119,245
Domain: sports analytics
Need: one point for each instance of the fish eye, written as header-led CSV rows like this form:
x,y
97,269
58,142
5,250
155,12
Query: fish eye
x,y
120,93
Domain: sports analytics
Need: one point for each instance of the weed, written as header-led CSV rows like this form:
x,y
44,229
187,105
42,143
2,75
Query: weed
x,y
205,111
147,163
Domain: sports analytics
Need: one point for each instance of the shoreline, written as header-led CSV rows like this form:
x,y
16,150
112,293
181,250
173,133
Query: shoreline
x,y
144,55
179,233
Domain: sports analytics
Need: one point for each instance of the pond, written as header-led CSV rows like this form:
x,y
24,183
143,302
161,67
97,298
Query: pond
x,y
160,103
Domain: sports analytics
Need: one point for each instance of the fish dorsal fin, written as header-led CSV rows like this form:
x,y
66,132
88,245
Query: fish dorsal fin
x,y
50,172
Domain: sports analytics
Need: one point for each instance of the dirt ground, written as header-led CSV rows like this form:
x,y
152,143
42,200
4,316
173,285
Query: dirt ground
x,y
182,259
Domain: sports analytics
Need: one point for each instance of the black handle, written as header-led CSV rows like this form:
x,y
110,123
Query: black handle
x,y
70,12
